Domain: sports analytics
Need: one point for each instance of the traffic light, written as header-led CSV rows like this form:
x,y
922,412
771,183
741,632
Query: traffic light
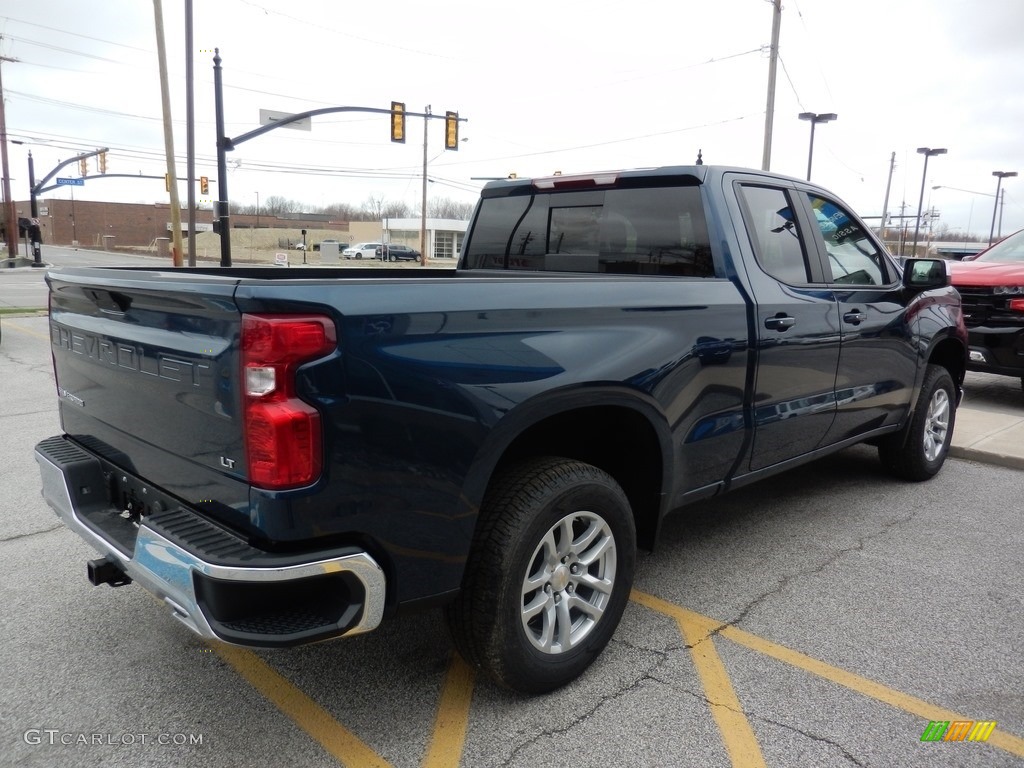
x,y
204,185
398,121
167,182
83,167
451,130
103,162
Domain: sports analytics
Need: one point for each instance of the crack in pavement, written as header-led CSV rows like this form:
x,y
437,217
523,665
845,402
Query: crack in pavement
x,y
812,737
785,581
18,536
648,676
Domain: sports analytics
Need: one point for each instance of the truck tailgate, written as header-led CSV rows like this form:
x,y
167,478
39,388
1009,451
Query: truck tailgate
x,y
152,373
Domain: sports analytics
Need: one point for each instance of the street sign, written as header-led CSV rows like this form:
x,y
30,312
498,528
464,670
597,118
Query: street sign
x,y
70,182
269,116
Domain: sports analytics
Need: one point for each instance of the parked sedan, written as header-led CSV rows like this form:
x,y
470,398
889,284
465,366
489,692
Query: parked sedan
x,y
395,252
359,250
991,287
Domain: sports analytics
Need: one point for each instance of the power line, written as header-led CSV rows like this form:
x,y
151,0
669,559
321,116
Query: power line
x,y
62,50
75,34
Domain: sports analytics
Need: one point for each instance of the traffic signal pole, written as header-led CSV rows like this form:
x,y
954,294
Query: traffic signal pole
x,y
226,144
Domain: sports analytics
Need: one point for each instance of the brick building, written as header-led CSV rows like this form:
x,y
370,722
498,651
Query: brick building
x,y
98,224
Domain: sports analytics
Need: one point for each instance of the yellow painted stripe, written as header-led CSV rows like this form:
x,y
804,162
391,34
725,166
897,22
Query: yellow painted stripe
x,y
29,331
915,706
737,735
911,704
452,716
337,740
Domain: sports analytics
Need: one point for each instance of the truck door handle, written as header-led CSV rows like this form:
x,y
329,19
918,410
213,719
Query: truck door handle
x,y
856,317
779,323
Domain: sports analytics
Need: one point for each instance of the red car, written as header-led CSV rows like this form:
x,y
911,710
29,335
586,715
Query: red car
x,y
992,288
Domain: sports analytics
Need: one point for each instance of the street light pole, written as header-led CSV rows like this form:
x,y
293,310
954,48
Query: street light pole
x,y
814,119
927,152
423,202
1000,175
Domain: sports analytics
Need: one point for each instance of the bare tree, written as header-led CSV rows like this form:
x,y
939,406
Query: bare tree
x,y
446,208
373,209
397,210
276,204
377,208
342,211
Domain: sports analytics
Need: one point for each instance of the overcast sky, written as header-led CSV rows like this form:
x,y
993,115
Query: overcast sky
x,y
560,85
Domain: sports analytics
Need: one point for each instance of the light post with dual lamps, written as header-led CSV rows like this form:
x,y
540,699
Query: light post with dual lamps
x,y
927,152
999,175
814,119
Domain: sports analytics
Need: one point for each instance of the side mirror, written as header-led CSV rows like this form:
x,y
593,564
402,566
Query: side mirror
x,y
925,274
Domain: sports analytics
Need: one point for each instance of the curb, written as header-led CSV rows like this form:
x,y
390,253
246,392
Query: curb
x,y
986,457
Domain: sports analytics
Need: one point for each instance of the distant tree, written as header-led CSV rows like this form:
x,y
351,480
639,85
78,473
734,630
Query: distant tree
x,y
377,208
446,208
276,204
373,209
397,210
342,211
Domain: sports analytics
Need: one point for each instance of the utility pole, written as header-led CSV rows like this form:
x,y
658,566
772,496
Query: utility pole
x,y
161,54
885,203
10,214
190,135
773,61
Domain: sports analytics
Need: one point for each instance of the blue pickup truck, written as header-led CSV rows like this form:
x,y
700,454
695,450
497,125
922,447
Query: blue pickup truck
x,y
286,456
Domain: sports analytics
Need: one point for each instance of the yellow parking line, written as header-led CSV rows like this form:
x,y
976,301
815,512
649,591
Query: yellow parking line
x,y
452,716
337,740
29,331
915,706
737,735
910,704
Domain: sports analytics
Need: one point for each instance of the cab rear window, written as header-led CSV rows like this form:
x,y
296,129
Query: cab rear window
x,y
646,231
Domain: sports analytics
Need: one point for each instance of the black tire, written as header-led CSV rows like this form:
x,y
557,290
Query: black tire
x,y
392,257
531,570
918,452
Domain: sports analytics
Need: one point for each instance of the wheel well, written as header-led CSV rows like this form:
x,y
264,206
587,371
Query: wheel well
x,y
949,353
618,440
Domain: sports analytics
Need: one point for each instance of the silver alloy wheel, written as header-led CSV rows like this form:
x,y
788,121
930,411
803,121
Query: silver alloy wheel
x,y
568,582
936,424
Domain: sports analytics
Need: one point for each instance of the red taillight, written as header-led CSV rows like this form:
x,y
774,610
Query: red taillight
x,y
580,181
283,441
1017,305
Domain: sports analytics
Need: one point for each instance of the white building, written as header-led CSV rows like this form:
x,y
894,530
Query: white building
x,y
444,236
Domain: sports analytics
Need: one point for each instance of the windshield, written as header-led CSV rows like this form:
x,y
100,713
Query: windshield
x,y
1010,249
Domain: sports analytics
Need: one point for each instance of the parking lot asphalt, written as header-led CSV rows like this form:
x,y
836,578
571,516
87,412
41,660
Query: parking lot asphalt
x,y
691,637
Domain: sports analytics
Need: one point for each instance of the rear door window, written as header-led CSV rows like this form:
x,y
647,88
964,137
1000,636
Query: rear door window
x,y
649,231
775,234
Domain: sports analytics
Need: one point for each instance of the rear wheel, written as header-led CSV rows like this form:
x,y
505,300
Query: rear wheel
x,y
919,451
548,576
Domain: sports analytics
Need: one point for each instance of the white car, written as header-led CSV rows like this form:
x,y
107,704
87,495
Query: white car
x,y
359,250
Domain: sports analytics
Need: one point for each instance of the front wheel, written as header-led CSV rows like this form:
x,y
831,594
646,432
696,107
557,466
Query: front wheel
x,y
919,451
548,576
